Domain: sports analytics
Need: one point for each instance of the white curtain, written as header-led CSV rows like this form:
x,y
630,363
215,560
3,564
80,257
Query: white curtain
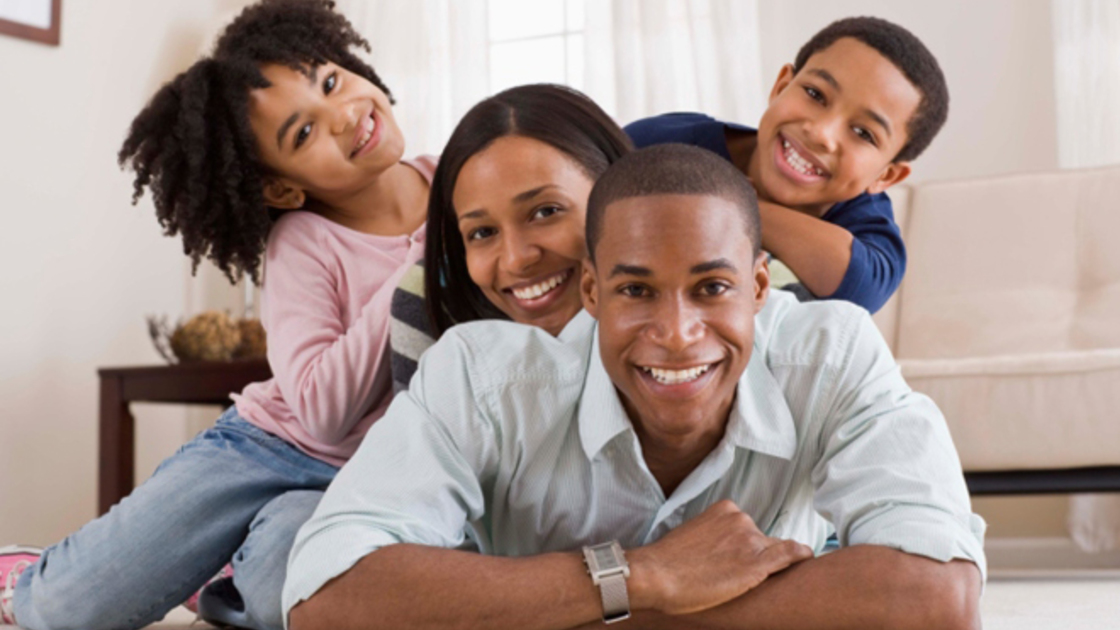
x,y
1087,85
646,57
433,55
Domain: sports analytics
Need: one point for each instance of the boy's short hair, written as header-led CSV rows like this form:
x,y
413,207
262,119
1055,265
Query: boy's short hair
x,y
672,169
910,56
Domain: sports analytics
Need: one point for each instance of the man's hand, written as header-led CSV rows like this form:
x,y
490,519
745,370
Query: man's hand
x,y
708,561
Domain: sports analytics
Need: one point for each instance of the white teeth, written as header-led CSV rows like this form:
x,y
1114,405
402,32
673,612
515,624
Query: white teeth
x,y
676,377
537,290
367,132
799,164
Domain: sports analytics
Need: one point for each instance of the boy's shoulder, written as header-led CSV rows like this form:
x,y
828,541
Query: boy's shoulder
x,y
685,127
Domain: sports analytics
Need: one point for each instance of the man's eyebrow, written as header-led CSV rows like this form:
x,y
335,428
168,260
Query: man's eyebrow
x,y
630,270
712,265
313,79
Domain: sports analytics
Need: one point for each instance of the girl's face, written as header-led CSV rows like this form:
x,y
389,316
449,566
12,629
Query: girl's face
x,y
326,134
521,205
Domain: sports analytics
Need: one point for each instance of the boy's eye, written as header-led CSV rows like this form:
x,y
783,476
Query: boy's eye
x,y
633,290
302,134
814,94
329,82
865,135
545,212
478,234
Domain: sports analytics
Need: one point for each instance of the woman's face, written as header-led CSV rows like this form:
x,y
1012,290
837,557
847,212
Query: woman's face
x,y
521,205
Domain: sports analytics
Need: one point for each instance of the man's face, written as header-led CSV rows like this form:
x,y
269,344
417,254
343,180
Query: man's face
x,y
675,289
832,131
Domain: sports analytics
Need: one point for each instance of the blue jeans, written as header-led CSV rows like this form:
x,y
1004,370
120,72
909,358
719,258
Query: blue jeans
x,y
234,493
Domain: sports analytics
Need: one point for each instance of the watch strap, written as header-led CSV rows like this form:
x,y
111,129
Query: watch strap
x,y
616,600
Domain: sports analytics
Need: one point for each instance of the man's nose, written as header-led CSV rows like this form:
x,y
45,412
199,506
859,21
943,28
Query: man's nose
x,y
677,323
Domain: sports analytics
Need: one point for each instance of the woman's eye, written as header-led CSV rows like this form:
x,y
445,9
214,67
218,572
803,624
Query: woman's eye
x,y
302,134
864,135
478,234
329,83
814,94
545,212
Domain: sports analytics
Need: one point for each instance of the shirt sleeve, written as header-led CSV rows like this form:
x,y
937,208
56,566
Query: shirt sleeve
x,y
878,254
417,478
325,370
888,473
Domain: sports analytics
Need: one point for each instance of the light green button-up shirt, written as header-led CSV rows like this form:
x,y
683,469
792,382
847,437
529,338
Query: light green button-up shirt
x,y
517,441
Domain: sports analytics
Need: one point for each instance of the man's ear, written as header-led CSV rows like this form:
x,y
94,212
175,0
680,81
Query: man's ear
x,y
785,77
761,281
894,173
279,193
589,288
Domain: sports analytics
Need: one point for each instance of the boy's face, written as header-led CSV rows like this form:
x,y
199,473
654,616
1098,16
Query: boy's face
x,y
832,131
326,134
675,289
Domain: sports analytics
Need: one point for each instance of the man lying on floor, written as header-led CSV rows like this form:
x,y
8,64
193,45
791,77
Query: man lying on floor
x,y
690,457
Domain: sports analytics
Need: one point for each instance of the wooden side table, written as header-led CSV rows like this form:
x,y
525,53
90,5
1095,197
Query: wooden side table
x,y
191,383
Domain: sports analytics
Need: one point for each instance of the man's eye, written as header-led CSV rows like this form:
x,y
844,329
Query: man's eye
x,y
712,289
632,290
814,94
302,134
478,234
329,83
545,212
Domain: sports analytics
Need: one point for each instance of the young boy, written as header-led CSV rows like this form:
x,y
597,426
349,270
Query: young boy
x,y
863,98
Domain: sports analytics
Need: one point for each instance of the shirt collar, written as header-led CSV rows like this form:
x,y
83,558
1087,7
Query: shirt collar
x,y
760,418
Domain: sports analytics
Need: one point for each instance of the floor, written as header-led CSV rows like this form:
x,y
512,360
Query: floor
x,y
1008,604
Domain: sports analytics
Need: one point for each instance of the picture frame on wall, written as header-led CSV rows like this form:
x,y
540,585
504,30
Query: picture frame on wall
x,y
37,20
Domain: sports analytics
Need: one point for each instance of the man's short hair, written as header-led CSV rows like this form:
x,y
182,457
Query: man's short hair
x,y
672,169
903,49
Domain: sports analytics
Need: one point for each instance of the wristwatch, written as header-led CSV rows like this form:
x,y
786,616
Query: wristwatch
x,y
608,568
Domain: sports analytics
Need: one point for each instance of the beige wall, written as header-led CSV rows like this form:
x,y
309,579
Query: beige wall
x,y
83,267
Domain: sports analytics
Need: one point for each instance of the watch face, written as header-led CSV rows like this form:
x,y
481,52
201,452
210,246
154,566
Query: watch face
x,y
604,557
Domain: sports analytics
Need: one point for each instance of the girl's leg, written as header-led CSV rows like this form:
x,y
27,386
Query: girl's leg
x,y
128,568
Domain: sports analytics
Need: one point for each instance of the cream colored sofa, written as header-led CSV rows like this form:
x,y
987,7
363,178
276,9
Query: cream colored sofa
x,y
1009,318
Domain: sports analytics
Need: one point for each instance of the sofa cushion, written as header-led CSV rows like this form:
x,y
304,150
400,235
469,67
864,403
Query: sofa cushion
x,y
1022,263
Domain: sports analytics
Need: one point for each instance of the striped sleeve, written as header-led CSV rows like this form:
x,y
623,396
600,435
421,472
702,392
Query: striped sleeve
x,y
409,332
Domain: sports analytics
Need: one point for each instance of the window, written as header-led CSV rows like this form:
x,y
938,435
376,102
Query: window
x,y
535,42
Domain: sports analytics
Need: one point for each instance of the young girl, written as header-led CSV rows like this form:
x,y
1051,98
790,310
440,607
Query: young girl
x,y
506,218
283,119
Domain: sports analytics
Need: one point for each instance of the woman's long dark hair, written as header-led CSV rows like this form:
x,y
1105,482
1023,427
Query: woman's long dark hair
x,y
556,115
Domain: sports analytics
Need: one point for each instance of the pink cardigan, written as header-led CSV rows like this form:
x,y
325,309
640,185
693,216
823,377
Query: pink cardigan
x,y
325,306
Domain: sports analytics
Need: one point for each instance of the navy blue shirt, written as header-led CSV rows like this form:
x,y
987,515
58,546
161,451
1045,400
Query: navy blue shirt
x,y
878,255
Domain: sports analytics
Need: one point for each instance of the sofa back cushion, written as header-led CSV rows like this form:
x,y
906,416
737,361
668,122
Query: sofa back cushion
x,y
1014,264
887,317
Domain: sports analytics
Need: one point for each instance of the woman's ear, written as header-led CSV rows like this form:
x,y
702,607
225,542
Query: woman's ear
x,y
281,194
588,289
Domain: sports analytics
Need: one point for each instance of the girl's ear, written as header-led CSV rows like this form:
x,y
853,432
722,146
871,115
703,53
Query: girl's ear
x,y
282,195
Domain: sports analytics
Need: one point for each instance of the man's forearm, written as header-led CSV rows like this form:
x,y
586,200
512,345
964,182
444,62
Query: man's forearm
x,y
417,587
816,251
859,587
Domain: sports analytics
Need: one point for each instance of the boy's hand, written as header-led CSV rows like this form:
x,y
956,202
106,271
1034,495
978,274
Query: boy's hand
x,y
708,561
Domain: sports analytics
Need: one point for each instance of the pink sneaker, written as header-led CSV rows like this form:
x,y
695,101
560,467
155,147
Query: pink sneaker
x,y
13,561
192,603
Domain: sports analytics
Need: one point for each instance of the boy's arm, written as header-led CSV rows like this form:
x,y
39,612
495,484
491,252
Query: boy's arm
x,y
816,251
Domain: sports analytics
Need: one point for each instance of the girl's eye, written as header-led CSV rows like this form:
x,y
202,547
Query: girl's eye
x,y
545,212
478,234
302,134
632,290
865,135
329,83
814,94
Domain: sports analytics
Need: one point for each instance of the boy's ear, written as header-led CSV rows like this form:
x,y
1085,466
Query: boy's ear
x,y
894,173
589,289
761,281
281,194
785,77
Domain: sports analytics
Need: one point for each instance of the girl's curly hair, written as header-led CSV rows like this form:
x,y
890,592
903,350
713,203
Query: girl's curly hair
x,y
192,145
